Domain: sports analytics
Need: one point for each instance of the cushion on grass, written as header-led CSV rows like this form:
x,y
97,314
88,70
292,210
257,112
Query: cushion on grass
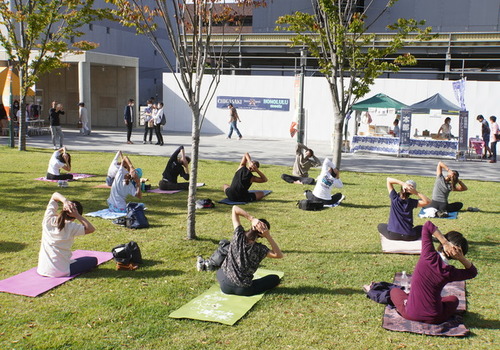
x,y
215,306
400,247
453,327
31,284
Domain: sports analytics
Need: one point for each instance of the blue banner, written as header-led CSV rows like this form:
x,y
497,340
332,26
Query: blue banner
x,y
258,103
405,126
463,129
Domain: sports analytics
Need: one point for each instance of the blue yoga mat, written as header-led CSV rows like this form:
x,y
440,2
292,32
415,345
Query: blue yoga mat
x,y
451,215
230,202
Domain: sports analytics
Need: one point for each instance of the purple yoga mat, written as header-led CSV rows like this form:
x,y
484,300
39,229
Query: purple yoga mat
x,y
157,190
31,284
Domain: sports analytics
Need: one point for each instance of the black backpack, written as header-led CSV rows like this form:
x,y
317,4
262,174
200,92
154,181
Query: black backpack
x,y
135,216
308,204
127,253
163,120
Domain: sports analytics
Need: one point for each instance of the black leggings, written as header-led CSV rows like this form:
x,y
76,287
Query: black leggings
x,y
335,198
304,180
83,264
59,177
258,286
417,233
172,186
449,207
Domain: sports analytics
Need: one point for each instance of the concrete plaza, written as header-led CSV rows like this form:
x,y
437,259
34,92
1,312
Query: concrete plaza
x,y
266,150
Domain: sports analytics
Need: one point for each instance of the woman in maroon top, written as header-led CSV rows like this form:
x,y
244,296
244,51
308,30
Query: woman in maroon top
x,y
432,273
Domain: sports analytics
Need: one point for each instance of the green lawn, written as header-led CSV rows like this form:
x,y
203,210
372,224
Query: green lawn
x,y
329,255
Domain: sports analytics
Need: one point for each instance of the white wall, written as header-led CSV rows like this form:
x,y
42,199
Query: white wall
x,y
480,98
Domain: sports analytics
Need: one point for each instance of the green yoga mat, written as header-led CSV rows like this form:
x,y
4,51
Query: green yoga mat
x,y
215,306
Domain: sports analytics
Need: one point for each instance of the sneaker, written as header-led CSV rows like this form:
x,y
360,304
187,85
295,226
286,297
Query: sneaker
x,y
239,138
200,263
150,142
341,199
55,147
442,214
143,142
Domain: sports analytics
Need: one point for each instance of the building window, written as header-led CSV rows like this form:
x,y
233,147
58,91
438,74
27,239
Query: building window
x,y
108,30
155,53
72,39
91,26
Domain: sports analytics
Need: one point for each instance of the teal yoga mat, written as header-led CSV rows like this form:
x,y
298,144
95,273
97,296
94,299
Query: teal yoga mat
x,y
215,306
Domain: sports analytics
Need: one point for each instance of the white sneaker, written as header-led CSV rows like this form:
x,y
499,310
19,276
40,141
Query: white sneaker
x,y
341,199
200,263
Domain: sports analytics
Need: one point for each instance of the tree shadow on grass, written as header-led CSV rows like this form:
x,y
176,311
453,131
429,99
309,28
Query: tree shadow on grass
x,y
140,273
8,247
316,290
363,206
477,321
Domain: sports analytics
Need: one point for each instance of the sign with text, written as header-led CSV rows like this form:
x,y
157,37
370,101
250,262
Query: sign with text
x,y
405,128
463,129
258,103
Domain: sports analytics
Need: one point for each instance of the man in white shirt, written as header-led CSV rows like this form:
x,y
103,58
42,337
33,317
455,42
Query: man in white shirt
x,y
83,116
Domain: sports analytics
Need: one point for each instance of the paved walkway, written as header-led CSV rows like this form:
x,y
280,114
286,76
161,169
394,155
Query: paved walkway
x,y
273,151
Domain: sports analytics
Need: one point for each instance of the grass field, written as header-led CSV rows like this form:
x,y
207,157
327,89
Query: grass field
x,y
329,255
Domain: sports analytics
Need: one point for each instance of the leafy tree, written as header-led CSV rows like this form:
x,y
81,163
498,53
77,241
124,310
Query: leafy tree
x,y
336,34
189,26
36,34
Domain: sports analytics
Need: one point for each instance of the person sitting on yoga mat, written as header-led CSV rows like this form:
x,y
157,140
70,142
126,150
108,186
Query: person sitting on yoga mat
x,y
400,224
60,160
304,160
58,233
431,274
127,182
113,168
244,256
176,166
442,188
327,179
243,179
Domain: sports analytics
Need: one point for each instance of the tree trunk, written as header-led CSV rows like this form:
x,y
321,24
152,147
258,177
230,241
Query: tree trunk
x,y
23,127
193,175
337,136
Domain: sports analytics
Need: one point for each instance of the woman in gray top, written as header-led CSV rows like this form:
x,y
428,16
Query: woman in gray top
x,y
244,256
442,188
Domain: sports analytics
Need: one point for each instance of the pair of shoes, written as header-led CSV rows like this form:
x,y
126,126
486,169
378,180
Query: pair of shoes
x,y
200,263
130,266
442,214
492,161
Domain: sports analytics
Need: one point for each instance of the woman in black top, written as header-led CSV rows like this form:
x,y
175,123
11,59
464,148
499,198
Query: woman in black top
x,y
176,166
244,256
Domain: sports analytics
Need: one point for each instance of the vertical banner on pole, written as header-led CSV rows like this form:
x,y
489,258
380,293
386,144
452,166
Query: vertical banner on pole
x,y
294,127
463,129
405,132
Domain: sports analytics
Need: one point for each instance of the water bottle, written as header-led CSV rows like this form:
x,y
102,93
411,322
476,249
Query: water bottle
x,y
405,281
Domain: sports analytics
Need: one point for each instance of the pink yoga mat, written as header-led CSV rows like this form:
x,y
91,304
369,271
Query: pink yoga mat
x,y
31,284
76,176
